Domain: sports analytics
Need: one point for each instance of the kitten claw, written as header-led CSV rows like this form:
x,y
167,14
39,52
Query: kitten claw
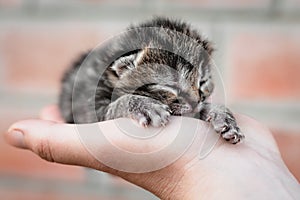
x,y
233,135
208,119
143,121
225,128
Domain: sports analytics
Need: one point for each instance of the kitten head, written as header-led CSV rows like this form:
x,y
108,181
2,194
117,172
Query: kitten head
x,y
170,62
164,76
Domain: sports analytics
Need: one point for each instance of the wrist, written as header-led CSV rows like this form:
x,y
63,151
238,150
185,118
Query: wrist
x,y
255,179
249,177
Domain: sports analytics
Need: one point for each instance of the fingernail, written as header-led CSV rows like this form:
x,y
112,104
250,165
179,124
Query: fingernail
x,y
16,138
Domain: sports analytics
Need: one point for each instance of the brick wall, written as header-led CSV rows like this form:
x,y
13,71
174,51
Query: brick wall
x,y
258,50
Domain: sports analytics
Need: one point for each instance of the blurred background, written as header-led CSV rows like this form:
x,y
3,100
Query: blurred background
x,y
258,56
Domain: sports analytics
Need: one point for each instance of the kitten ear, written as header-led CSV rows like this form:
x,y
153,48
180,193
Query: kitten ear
x,y
123,64
126,63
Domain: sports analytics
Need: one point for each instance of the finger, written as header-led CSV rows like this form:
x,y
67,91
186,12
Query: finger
x,y
106,144
51,141
62,143
51,113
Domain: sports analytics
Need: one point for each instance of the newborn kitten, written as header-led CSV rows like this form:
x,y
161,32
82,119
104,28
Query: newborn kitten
x,y
159,68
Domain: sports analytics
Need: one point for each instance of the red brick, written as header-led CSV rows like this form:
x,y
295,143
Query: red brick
x,y
10,3
264,65
24,163
35,57
227,4
16,194
289,146
124,2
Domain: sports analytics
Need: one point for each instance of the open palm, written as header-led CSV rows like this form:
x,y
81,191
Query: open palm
x,y
250,170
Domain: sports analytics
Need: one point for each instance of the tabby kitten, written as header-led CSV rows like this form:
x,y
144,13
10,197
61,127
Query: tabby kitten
x,y
158,68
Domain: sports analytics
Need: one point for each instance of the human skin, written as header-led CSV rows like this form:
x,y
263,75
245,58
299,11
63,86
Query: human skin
x,y
252,169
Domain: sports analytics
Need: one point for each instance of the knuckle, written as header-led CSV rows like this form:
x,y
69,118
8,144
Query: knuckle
x,y
43,149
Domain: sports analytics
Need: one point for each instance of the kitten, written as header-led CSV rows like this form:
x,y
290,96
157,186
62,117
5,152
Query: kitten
x,y
158,68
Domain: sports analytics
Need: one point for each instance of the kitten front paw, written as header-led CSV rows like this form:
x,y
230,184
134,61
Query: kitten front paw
x,y
179,109
155,114
231,134
225,124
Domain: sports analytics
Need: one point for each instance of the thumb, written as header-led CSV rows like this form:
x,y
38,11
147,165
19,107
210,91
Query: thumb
x,y
110,146
54,142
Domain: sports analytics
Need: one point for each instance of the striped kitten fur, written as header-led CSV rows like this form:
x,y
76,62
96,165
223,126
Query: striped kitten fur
x,y
158,68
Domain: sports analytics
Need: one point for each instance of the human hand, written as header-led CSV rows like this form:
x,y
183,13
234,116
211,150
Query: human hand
x,y
250,170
